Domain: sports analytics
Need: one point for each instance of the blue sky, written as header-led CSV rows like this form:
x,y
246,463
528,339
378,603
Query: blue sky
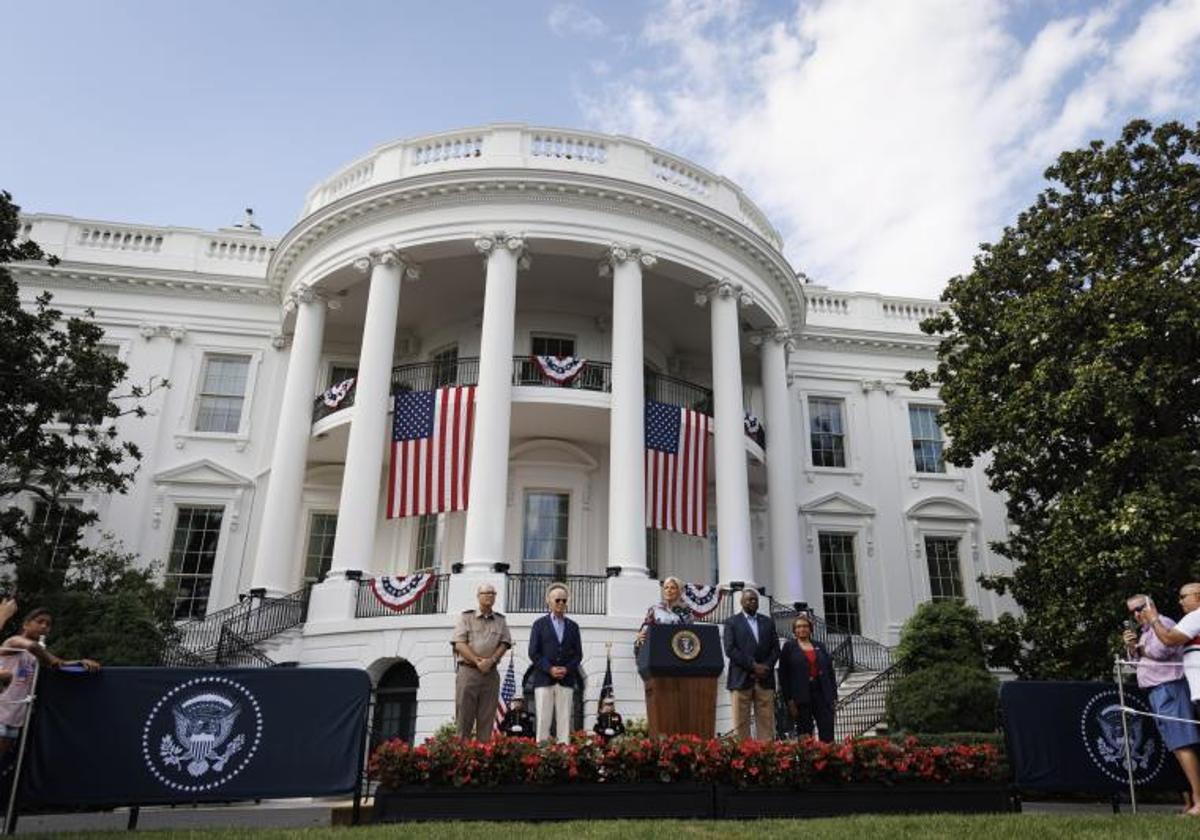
x,y
885,139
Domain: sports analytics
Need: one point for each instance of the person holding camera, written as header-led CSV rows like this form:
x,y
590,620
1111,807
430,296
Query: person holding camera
x,y
1160,675
1186,633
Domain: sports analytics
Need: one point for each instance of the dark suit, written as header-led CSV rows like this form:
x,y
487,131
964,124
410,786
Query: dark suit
x,y
814,697
554,696
744,652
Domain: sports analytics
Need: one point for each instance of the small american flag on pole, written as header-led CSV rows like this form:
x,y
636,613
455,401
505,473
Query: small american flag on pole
x,y
431,451
677,468
507,692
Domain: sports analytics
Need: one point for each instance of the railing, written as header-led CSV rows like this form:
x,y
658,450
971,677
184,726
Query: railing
x,y
850,651
228,636
862,710
672,391
431,602
526,593
595,376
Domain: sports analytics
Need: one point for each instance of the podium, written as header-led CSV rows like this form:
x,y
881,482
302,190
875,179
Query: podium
x,y
680,664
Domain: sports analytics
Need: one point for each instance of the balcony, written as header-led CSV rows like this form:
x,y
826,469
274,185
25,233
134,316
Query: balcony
x,y
596,376
431,602
526,593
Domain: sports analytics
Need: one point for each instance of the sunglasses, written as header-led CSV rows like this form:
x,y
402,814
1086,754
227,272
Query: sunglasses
x,y
560,600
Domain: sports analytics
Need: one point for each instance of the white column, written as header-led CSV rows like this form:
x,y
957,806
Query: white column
x,y
787,572
735,560
275,560
626,453
488,504
358,510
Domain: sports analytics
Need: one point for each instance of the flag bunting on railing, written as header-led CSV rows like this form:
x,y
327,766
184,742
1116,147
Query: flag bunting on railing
x,y
396,593
335,394
701,599
560,369
750,424
431,452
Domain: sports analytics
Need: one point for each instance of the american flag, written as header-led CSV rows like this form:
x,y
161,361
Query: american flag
x,y
431,451
507,692
677,468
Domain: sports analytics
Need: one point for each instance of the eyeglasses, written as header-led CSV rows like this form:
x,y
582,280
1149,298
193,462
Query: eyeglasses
x,y
1138,609
486,592
560,600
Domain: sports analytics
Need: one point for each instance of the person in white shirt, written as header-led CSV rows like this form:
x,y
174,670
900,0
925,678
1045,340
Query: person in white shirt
x,y
1186,632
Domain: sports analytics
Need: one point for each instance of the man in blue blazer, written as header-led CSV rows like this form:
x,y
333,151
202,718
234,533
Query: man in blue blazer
x,y
752,645
556,651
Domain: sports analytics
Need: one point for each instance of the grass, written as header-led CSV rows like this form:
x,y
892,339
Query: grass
x,y
936,826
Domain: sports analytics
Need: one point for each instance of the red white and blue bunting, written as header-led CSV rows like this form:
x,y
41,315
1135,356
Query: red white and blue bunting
x,y
334,396
396,593
560,369
701,599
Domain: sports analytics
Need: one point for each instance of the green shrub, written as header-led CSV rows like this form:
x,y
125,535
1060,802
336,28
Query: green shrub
x,y
946,697
941,631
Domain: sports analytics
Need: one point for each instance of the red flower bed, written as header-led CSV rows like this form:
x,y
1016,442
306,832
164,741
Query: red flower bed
x,y
676,758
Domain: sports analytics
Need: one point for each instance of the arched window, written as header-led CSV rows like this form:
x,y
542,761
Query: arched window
x,y
577,701
395,704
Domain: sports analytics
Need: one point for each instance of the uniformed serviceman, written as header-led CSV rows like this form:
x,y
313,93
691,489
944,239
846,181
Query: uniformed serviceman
x,y
481,639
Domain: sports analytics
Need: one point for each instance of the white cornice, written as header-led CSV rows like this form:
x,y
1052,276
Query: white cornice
x,y
868,340
596,191
213,287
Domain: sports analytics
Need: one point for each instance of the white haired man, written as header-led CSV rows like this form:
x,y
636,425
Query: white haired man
x,y
480,640
556,651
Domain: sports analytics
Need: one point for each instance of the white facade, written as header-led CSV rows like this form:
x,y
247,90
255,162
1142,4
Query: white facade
x,y
494,242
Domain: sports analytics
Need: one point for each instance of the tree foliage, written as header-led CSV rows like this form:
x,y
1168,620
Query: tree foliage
x,y
59,408
1068,361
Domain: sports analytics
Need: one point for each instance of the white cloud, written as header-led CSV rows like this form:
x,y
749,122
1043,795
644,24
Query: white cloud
x,y
573,18
887,139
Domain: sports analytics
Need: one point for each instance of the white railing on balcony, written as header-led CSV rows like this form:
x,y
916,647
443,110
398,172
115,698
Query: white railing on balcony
x,y
119,239
867,310
517,146
915,311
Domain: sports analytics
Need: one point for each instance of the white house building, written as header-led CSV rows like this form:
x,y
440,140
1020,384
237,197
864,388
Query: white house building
x,y
461,259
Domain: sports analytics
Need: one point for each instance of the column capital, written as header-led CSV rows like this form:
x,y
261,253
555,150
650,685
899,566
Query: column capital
x,y
618,253
775,335
489,243
723,288
304,294
389,256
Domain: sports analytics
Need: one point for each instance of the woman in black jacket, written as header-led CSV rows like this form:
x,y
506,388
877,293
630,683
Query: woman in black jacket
x,y
807,681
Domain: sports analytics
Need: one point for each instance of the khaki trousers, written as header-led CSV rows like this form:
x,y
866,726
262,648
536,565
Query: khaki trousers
x,y
476,697
763,701
553,703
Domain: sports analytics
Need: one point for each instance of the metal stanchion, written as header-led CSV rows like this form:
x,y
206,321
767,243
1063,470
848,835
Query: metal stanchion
x,y
10,816
1119,674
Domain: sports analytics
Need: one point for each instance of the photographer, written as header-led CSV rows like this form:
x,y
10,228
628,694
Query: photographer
x,y
1160,675
1185,633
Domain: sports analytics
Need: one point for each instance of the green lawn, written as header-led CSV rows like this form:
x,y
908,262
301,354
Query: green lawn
x,y
1022,826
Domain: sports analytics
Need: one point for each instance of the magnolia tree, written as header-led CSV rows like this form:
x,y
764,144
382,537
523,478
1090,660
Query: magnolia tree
x,y
59,407
1070,356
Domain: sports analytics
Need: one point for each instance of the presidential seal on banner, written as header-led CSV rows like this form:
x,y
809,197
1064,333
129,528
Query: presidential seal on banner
x,y
685,645
1104,738
202,733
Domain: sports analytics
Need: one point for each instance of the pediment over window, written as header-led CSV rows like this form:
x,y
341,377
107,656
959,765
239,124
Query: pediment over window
x,y
204,472
551,453
942,507
838,504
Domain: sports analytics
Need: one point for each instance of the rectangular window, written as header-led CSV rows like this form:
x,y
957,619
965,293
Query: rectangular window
x,y
193,553
839,581
545,537
945,572
59,527
553,345
318,556
652,552
222,393
427,542
926,439
826,432
445,366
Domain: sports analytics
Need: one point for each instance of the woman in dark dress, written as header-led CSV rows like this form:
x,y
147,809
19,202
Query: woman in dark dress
x,y
807,681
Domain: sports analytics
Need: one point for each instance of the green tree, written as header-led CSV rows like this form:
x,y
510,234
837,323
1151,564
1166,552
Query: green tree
x,y
1068,362
59,406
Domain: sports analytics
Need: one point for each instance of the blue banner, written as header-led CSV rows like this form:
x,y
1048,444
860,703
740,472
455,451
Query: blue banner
x,y
141,736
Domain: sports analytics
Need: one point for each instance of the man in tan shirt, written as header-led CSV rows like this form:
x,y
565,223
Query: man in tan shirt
x,y
481,639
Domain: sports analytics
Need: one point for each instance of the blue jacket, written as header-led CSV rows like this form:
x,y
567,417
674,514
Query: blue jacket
x,y
795,683
545,651
744,652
